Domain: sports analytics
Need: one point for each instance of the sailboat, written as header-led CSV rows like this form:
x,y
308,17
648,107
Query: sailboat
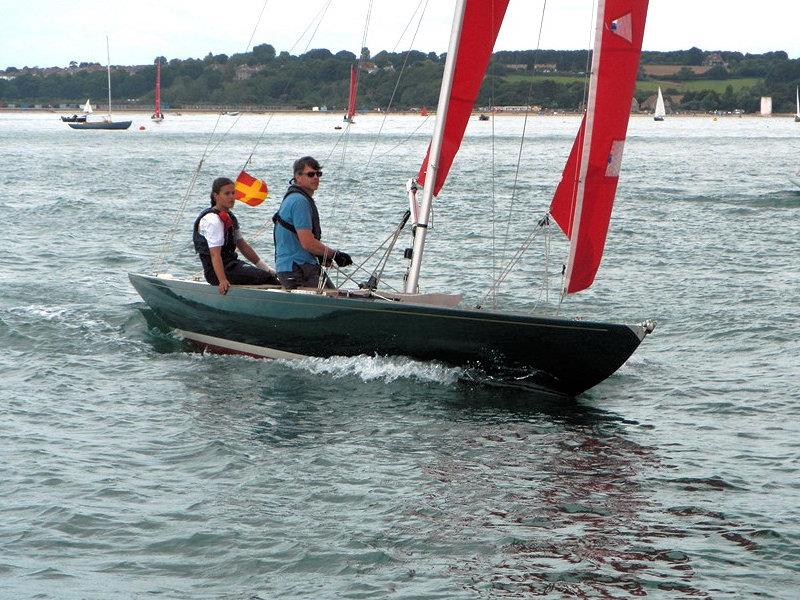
x,y
797,112
107,122
660,111
560,354
157,114
87,110
351,100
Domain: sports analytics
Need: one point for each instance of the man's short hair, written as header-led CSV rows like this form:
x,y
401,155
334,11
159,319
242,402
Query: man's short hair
x,y
307,161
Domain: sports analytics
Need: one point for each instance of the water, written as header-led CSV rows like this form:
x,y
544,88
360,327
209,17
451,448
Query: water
x,y
133,467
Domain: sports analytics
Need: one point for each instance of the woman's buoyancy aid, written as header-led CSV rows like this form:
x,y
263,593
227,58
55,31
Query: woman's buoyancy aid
x,y
228,248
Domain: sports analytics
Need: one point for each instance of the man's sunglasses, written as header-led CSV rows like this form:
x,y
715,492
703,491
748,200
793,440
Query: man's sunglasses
x,y
313,174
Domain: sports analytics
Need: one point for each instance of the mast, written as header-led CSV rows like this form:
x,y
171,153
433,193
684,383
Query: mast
x,y
587,141
108,69
421,226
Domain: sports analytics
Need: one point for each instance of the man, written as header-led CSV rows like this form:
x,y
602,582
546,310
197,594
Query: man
x,y
216,238
298,246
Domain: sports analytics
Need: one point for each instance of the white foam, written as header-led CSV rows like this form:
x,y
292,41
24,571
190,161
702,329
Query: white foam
x,y
377,368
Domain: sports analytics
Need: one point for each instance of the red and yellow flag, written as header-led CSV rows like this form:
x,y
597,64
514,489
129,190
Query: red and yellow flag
x,y
250,190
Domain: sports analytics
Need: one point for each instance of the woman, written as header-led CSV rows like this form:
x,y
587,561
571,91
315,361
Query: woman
x,y
216,238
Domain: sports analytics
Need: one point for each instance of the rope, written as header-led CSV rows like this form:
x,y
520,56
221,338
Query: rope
x,y
167,243
391,239
514,260
518,255
522,138
258,21
399,76
412,134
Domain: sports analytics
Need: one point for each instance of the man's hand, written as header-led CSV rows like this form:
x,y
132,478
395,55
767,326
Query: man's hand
x,y
342,259
224,286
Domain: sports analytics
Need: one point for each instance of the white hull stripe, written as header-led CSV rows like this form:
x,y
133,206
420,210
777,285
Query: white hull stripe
x,y
237,346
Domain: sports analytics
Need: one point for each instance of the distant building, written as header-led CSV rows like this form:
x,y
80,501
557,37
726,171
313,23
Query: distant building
x,y
545,68
714,60
517,67
247,71
766,106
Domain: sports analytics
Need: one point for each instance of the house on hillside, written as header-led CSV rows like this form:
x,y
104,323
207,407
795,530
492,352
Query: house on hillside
x,y
246,71
714,60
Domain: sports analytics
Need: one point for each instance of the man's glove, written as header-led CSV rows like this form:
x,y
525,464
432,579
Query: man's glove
x,y
342,259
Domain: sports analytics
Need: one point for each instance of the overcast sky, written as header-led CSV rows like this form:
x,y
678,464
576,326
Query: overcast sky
x,y
53,32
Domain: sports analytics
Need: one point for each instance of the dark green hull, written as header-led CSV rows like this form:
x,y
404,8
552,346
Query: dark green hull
x,y
564,355
101,125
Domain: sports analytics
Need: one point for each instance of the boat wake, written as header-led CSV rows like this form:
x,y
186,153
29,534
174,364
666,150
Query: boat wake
x,y
377,368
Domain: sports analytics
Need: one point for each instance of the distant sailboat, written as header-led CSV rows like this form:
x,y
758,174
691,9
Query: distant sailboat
x,y
660,111
107,122
797,114
351,101
87,109
158,116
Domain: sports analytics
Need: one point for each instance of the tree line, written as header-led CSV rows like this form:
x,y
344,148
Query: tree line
x,y
321,78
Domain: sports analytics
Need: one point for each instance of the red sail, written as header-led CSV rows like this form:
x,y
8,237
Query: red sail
x,y
351,102
584,197
158,89
482,20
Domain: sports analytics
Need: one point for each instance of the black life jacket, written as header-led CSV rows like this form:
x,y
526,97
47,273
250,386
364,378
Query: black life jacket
x,y
228,248
316,228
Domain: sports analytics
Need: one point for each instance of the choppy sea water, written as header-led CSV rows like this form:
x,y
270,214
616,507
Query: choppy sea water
x,y
134,467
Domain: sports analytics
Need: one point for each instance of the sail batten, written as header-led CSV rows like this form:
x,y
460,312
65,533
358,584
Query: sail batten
x,y
584,198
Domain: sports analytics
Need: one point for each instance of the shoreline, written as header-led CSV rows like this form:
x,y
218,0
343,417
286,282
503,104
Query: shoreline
x,y
329,113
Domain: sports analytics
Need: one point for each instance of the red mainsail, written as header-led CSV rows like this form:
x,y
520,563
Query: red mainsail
x,y
351,102
482,20
583,200
158,89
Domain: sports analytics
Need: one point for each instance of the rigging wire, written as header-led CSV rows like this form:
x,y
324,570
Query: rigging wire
x,y
522,138
504,273
167,243
252,35
400,75
318,19
404,140
343,138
